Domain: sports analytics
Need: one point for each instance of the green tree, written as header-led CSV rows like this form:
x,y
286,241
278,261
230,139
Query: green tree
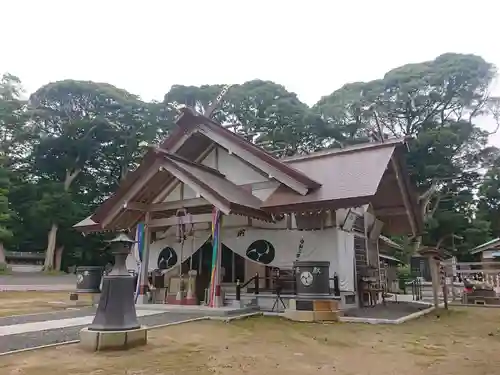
x,y
5,214
436,103
489,198
88,137
261,111
12,147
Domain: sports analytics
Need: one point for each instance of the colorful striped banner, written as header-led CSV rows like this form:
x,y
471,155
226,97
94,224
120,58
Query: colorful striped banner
x,y
138,252
214,279
140,240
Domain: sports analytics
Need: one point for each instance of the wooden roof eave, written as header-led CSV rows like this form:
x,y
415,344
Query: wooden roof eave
x,y
251,212
415,209
172,143
318,205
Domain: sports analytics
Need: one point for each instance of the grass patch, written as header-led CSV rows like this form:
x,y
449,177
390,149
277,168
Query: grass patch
x,y
53,273
5,269
21,303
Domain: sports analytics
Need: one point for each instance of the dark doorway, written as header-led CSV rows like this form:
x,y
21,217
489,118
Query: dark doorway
x,y
232,263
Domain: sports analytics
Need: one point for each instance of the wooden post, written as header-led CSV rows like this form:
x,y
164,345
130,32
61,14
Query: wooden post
x,y
433,264
445,288
238,290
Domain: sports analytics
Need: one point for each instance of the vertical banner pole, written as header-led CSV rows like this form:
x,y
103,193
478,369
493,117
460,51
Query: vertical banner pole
x,y
214,279
138,250
145,238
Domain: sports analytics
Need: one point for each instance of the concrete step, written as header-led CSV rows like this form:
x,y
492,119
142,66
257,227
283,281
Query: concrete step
x,y
245,300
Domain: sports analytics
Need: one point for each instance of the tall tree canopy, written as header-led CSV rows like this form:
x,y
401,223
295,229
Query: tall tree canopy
x,y
437,104
68,147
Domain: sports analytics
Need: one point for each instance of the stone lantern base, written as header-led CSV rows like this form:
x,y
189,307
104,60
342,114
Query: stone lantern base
x,y
113,340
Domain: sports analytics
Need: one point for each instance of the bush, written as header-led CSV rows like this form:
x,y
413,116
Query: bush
x,y
404,275
5,269
404,272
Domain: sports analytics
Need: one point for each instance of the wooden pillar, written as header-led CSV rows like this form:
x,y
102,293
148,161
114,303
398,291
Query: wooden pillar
x,y
233,267
145,260
434,268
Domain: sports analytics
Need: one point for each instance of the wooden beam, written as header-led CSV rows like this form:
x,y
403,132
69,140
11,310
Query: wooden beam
x,y
404,194
174,220
135,206
175,205
192,202
390,211
261,185
166,206
171,187
130,193
181,176
252,159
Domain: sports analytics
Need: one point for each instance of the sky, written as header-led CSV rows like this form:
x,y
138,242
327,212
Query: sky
x,y
311,47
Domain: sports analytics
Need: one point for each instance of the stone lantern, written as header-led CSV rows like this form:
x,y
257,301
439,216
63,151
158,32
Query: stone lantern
x,y
115,324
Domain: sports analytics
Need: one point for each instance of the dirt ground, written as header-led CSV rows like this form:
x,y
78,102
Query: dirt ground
x,y
463,341
19,303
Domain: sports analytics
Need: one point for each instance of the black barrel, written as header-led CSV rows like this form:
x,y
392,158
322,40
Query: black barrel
x,y
158,279
88,279
312,278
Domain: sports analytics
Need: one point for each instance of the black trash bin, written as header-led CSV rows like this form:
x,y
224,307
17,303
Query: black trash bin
x,y
88,279
158,279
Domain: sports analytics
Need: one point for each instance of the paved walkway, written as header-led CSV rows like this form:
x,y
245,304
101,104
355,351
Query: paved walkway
x,y
57,324
37,333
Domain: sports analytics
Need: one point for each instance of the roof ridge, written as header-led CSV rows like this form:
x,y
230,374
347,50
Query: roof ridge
x,y
162,152
345,150
271,159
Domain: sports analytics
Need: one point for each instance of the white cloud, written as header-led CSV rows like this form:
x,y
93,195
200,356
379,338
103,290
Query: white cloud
x,y
312,47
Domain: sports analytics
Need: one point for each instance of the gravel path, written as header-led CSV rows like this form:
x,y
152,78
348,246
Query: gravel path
x,y
33,339
42,317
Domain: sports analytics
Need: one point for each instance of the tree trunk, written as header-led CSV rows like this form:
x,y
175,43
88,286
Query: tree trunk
x,y
51,247
52,236
2,254
58,258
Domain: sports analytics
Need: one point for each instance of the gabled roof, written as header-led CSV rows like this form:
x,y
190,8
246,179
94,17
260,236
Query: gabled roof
x,y
361,174
339,178
215,188
490,245
356,175
259,152
390,258
390,243
188,123
88,224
